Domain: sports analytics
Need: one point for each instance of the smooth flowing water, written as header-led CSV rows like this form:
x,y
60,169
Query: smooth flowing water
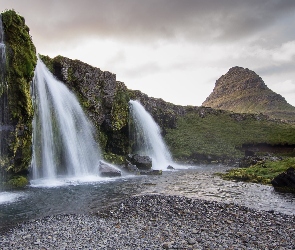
x,y
196,182
3,105
64,143
146,134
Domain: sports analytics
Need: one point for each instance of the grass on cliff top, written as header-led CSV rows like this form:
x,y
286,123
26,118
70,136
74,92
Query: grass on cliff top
x,y
219,134
261,172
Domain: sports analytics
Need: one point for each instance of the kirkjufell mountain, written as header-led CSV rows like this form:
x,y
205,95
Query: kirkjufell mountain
x,y
243,91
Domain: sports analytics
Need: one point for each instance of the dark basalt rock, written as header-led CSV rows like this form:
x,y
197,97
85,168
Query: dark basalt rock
x,y
106,170
141,162
130,168
285,181
170,167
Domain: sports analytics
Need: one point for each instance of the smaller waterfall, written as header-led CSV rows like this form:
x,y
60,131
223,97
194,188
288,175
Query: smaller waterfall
x,y
63,138
148,138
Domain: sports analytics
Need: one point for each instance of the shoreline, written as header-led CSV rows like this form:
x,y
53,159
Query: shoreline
x,y
158,222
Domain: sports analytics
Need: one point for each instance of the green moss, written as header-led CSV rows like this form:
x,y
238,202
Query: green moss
x,y
21,60
47,61
120,109
114,158
17,182
260,173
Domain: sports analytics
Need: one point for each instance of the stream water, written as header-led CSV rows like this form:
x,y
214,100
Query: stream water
x,y
86,197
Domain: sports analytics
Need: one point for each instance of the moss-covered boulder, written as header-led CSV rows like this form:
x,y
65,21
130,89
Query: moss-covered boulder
x,y
15,99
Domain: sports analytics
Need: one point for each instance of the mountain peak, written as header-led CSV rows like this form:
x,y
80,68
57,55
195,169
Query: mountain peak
x,y
243,91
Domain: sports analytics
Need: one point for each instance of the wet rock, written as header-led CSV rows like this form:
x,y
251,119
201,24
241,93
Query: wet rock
x,y
141,162
129,167
151,172
285,181
170,167
107,170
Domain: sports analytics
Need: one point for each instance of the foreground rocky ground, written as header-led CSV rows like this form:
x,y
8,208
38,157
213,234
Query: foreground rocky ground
x,y
158,222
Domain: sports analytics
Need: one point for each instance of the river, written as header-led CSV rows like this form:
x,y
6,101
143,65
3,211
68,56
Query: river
x,y
76,197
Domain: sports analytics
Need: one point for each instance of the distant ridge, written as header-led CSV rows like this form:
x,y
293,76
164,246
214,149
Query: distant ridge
x,y
243,91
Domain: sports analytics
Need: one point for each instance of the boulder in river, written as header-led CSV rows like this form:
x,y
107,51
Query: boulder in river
x,y
130,168
285,181
107,170
141,162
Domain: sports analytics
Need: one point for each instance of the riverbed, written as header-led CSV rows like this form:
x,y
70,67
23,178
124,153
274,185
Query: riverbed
x,y
37,201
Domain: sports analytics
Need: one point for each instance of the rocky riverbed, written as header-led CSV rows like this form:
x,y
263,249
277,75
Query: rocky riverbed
x,y
158,222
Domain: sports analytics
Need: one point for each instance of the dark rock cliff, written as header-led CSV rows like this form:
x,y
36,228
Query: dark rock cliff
x,y
16,106
243,91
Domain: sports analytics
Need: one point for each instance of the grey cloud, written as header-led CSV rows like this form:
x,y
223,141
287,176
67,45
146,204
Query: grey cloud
x,y
197,20
284,68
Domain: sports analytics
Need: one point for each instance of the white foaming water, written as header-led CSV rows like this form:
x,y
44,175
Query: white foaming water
x,y
8,197
64,145
148,138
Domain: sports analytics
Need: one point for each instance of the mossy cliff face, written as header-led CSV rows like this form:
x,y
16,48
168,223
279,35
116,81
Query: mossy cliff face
x,y
104,99
16,105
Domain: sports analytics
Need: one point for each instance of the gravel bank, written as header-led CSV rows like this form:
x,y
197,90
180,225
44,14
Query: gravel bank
x,y
158,222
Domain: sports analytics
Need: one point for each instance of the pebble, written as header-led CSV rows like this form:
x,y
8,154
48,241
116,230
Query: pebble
x,y
157,222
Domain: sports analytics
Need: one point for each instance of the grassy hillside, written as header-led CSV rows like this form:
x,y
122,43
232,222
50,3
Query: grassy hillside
x,y
221,133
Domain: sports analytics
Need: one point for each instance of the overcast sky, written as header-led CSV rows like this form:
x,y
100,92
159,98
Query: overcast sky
x,y
172,49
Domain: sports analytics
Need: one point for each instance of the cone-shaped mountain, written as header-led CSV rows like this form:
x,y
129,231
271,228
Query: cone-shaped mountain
x,y
243,91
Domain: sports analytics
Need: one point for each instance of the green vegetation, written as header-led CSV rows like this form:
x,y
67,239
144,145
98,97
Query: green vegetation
x,y
21,61
17,182
262,172
120,109
114,158
221,134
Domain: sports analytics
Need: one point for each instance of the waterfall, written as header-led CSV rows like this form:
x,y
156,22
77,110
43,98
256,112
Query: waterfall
x,y
2,53
63,138
147,137
3,104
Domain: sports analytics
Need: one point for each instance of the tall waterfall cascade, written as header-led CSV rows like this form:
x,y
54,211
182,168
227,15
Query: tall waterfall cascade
x,y
147,137
2,53
3,100
63,139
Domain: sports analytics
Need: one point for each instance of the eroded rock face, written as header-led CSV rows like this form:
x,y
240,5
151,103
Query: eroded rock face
x,y
243,91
